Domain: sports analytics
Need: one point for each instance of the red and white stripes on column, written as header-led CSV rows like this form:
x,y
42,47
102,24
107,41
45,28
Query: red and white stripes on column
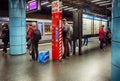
x,y
60,40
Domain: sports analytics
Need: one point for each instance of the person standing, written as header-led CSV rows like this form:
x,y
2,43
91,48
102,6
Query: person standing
x,y
29,38
5,37
66,38
71,38
101,36
34,40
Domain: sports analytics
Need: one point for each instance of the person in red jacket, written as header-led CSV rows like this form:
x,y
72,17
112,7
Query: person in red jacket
x,y
30,36
101,36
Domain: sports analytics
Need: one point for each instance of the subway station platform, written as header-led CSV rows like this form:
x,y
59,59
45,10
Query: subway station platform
x,y
93,65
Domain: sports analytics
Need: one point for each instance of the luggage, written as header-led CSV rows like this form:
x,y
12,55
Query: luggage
x,y
44,56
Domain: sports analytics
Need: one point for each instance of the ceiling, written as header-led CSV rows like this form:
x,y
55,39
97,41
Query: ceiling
x,y
102,7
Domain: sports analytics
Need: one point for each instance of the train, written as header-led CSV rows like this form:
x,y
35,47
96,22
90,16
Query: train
x,y
91,25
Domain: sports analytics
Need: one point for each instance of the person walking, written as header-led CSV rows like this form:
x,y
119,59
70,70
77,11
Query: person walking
x,y
5,37
101,36
66,38
85,40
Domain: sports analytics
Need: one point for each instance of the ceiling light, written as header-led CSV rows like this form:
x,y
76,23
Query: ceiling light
x,y
95,0
68,8
43,3
73,10
65,7
49,5
105,4
102,2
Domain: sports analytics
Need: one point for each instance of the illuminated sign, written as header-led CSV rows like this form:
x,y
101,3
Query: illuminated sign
x,y
33,5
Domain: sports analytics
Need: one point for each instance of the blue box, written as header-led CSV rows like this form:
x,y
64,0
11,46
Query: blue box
x,y
44,56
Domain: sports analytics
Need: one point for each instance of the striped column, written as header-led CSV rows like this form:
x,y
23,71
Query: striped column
x,y
17,26
60,40
116,41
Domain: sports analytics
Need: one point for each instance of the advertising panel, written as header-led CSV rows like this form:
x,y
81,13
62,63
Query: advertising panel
x,y
96,26
87,25
48,28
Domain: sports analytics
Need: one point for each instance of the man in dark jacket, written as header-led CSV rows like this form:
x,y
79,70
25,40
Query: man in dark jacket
x,y
5,37
34,42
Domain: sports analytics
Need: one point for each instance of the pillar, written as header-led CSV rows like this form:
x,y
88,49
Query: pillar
x,y
17,26
116,41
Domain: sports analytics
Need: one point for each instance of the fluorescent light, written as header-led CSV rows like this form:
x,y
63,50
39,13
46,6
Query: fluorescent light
x,y
95,0
102,2
68,8
105,4
43,3
65,7
73,10
48,5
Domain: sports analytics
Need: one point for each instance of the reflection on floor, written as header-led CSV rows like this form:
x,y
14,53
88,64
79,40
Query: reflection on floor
x,y
92,65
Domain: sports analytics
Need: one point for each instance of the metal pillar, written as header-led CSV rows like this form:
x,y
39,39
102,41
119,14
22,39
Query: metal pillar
x,y
80,30
77,29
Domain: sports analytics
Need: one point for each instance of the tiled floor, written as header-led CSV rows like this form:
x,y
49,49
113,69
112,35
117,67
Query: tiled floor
x,y
93,65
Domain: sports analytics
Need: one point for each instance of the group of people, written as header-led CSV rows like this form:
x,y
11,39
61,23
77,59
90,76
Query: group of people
x,y
67,34
33,37
104,37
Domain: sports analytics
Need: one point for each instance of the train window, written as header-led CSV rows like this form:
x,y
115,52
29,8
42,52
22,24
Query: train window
x,y
48,28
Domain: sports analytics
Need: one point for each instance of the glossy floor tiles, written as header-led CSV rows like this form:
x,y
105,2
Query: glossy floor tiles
x,y
93,65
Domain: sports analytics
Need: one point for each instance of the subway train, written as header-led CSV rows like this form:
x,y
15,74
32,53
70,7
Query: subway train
x,y
45,27
91,25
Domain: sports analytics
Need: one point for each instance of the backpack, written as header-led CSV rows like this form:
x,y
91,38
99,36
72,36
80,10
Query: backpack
x,y
36,35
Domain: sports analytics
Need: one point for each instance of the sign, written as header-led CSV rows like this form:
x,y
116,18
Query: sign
x,y
32,6
56,6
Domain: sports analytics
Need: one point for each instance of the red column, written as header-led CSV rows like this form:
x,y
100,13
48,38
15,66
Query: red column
x,y
56,30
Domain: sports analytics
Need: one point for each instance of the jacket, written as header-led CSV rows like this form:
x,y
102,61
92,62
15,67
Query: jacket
x,y
6,32
101,33
66,31
30,32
